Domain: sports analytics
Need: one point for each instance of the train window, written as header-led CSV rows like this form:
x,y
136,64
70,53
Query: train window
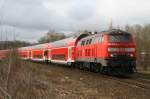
x,y
120,38
93,40
90,41
83,42
87,42
38,56
101,39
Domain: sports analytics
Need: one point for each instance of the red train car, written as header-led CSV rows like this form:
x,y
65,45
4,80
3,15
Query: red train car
x,y
3,54
25,52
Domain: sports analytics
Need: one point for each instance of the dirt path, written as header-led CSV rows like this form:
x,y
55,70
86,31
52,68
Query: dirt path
x,y
41,81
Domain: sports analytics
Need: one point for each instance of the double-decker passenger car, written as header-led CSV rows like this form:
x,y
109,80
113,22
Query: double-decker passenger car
x,y
25,53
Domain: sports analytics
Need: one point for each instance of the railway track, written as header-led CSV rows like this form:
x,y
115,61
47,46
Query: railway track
x,y
132,82
4,94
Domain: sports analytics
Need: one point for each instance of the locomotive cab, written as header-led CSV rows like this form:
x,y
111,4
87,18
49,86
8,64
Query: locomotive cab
x,y
121,52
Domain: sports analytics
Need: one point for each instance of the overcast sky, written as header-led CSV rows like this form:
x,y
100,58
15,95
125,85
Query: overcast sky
x,y
30,19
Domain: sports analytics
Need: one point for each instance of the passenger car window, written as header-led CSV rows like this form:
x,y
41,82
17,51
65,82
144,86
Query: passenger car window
x,y
87,42
90,41
83,42
101,39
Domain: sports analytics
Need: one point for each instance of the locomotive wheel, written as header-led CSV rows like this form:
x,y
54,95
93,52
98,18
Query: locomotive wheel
x,y
86,66
96,68
73,65
77,65
104,70
91,67
81,66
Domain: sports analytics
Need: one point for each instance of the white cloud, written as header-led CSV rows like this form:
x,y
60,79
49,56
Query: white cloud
x,y
70,15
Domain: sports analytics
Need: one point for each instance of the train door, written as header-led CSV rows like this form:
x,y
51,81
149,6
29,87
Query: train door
x,y
69,54
49,55
30,55
46,55
95,47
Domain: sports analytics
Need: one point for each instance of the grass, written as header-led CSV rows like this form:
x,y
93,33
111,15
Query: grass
x,y
144,76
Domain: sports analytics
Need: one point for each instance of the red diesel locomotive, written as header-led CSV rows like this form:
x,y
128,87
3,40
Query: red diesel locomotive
x,y
110,51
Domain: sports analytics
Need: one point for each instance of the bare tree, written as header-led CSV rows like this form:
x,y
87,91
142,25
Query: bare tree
x,y
51,36
142,37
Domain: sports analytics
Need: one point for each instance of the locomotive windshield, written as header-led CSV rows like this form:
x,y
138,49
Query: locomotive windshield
x,y
120,38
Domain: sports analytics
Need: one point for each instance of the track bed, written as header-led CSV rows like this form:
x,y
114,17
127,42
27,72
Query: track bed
x,y
42,81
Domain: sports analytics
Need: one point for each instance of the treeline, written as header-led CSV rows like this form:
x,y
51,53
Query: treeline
x,y
142,37
51,36
12,44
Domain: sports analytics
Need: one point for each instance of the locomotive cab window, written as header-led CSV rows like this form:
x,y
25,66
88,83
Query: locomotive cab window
x,y
120,38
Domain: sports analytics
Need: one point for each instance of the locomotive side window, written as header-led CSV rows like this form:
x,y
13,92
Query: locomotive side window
x,y
93,40
102,40
87,42
90,41
82,43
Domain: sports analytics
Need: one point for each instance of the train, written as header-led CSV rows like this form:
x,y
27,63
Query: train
x,y
112,52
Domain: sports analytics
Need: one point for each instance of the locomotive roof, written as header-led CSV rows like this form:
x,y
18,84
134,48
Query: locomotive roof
x,y
109,32
114,31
